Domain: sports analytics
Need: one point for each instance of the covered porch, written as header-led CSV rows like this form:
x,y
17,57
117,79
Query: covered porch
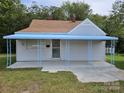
x,y
41,63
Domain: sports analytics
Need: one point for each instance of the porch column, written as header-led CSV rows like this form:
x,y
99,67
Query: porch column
x,y
10,52
89,51
112,51
67,50
40,46
7,53
68,44
38,51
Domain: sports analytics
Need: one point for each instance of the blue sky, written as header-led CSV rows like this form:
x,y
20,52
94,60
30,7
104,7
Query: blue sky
x,y
102,7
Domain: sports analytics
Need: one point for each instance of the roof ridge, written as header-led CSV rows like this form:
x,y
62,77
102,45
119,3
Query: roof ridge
x,y
54,20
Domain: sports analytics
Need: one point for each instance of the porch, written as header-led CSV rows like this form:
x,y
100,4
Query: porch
x,y
60,65
85,72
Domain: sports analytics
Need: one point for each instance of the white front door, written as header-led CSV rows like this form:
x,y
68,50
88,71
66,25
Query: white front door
x,y
56,48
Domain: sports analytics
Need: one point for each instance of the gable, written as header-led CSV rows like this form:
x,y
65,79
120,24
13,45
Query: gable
x,y
87,28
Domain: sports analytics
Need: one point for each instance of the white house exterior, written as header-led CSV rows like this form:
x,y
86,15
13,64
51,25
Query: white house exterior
x,y
81,41
78,50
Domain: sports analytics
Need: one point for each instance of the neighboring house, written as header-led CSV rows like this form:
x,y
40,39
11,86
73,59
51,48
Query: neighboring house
x,y
46,40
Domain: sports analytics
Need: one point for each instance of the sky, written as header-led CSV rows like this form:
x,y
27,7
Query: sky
x,y
102,7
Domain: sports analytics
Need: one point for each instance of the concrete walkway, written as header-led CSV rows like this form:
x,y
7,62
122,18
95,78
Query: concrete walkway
x,y
85,72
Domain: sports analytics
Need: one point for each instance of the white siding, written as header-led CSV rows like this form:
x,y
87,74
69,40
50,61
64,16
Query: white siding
x,y
26,52
78,50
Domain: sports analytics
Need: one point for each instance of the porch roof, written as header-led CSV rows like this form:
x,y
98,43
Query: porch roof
x,y
58,36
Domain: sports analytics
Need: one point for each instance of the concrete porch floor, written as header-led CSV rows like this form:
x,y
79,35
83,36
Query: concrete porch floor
x,y
85,72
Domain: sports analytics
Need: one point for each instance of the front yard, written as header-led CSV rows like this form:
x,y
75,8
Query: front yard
x,y
119,60
36,81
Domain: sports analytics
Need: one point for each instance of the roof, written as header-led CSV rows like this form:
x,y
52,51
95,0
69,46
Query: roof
x,y
59,36
85,30
54,26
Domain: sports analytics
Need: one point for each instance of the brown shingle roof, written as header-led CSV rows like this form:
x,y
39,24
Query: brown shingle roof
x,y
57,26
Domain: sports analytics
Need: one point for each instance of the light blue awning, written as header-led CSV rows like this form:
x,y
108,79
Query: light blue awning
x,y
58,36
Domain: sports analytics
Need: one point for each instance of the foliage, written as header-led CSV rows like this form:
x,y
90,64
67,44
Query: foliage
x,y
12,16
15,16
99,20
78,10
115,24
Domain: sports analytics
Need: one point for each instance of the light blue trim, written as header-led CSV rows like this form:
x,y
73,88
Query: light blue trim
x,y
63,37
7,53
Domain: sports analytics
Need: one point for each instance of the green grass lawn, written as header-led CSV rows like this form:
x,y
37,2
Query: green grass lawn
x,y
119,60
36,81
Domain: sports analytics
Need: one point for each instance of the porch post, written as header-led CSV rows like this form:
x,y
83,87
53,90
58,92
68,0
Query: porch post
x,y
37,50
68,44
10,52
67,52
40,50
89,51
7,53
113,51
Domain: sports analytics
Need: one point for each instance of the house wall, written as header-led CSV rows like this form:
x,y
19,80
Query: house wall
x,y
79,51
26,50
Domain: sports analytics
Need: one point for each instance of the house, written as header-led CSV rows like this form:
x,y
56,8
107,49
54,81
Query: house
x,y
57,40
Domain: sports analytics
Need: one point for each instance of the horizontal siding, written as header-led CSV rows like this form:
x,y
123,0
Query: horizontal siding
x,y
78,50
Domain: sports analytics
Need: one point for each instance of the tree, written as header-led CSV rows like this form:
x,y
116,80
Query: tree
x,y
115,21
35,11
115,24
78,10
13,17
99,20
57,13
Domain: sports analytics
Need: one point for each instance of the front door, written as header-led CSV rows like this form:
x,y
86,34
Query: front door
x,y
56,48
